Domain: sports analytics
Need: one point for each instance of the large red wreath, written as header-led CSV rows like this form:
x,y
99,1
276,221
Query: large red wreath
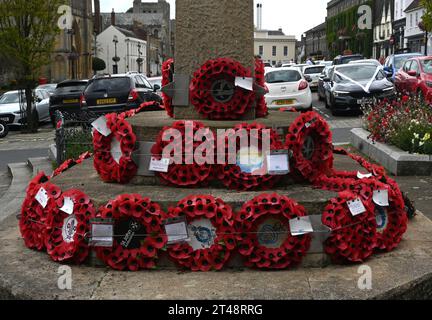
x,y
261,107
251,233
33,219
105,164
167,78
147,215
310,140
70,247
220,215
184,175
218,77
353,239
232,176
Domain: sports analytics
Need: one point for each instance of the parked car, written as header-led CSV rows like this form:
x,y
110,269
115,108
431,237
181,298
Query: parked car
x,y
117,93
300,67
288,89
10,107
313,72
156,83
326,63
415,77
322,85
350,86
66,97
50,87
366,61
395,62
346,59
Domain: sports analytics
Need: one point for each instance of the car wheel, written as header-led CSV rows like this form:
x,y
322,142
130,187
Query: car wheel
x,y
4,129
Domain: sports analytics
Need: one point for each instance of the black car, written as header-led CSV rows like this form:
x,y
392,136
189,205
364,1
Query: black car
x,y
322,85
351,86
117,93
347,59
66,97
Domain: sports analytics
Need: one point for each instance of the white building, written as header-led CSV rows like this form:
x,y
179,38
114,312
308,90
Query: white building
x,y
413,34
274,46
400,23
383,31
129,50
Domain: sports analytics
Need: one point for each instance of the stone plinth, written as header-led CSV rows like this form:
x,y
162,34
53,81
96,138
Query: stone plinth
x,y
209,29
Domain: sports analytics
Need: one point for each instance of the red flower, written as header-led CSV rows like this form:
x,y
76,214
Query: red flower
x,y
167,78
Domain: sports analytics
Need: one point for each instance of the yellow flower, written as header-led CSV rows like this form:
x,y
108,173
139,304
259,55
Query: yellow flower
x,y
426,137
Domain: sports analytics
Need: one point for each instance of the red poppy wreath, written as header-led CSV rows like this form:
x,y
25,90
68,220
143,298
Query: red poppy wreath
x,y
211,232
33,219
214,93
67,227
310,140
176,137
113,153
264,234
138,235
167,78
353,238
249,174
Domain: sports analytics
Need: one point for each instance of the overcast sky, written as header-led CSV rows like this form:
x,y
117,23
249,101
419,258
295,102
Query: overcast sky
x,y
293,16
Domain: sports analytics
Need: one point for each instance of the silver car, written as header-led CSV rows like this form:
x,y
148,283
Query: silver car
x,y
11,112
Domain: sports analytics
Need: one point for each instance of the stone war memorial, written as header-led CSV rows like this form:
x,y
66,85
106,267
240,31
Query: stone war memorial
x,y
220,187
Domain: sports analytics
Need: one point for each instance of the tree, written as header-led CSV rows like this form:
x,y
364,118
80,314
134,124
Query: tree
x,y
427,16
98,64
28,29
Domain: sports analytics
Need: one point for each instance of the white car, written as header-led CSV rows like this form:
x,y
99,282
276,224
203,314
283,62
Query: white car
x,y
288,90
366,61
313,72
10,107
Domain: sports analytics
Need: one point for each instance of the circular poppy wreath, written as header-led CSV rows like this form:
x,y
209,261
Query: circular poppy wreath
x,y
184,175
211,249
232,176
66,239
104,162
139,246
167,78
213,91
353,239
261,107
33,219
310,140
264,235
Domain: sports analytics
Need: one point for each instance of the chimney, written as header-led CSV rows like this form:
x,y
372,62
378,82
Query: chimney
x,y
113,18
97,17
259,14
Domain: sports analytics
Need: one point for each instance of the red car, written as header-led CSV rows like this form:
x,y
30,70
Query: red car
x,y
415,77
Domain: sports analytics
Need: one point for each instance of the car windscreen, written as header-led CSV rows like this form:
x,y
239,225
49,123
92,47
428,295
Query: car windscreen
x,y
314,70
399,61
427,66
356,72
109,85
70,88
282,76
10,98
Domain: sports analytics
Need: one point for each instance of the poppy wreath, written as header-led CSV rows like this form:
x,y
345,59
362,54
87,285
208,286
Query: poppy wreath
x,y
66,240
70,163
33,219
232,176
213,91
107,167
183,175
353,239
167,78
144,218
261,107
217,246
310,140
270,245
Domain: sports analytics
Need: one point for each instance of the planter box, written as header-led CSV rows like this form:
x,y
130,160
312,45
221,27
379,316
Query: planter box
x,y
398,162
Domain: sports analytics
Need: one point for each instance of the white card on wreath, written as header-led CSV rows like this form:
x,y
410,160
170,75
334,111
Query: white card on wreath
x,y
68,205
100,124
245,83
381,197
300,226
159,165
42,197
356,207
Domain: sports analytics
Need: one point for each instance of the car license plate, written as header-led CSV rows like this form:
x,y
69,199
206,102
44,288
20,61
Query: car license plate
x,y
106,101
5,119
70,101
365,101
284,102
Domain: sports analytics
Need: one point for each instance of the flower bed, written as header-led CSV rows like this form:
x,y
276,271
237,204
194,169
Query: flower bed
x,y
405,123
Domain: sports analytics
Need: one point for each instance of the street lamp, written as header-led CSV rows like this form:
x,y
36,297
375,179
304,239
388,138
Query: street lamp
x,y
116,59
